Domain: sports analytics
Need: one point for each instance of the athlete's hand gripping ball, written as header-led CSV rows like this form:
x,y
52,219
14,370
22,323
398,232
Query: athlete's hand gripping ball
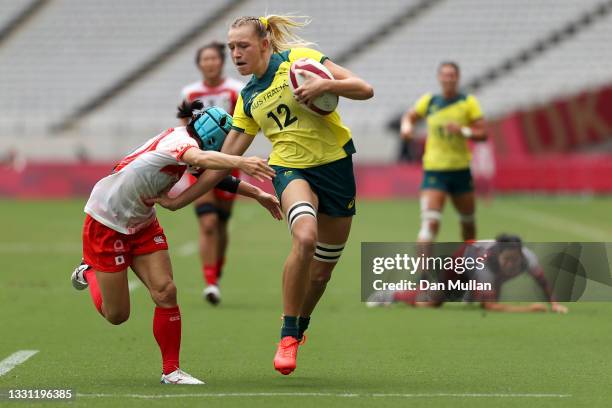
x,y
312,87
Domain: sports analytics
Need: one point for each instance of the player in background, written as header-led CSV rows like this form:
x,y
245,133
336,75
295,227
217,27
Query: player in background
x,y
311,154
505,259
214,208
453,118
122,231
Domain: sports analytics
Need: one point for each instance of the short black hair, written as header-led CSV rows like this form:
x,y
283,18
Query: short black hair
x,y
509,241
185,109
215,45
505,242
188,110
450,64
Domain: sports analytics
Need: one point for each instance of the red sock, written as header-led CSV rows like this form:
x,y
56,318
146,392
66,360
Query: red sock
x,y
220,264
167,332
94,289
210,274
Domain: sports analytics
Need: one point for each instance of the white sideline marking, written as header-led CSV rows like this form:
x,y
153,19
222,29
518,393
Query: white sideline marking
x,y
14,360
325,394
133,285
557,223
188,248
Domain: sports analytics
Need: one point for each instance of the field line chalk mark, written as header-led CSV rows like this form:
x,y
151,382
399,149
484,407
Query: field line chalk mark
x,y
15,359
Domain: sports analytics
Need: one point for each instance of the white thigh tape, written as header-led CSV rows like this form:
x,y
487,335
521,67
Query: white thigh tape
x,y
300,209
328,252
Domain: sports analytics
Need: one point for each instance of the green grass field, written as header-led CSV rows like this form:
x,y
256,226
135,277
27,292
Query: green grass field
x,y
457,356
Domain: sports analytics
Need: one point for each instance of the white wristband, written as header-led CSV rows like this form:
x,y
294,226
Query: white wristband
x,y
467,132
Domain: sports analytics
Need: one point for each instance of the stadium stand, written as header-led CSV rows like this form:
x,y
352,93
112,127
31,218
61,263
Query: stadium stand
x,y
489,32
109,58
568,67
329,36
73,49
15,13
171,77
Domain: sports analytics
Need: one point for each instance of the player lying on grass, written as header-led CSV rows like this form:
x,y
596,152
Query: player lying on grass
x,y
505,258
122,231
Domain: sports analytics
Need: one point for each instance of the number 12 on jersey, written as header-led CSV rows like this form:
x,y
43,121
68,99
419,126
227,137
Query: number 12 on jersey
x,y
283,109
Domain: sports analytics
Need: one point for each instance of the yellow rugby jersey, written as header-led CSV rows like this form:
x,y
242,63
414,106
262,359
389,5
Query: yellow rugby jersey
x,y
444,150
300,138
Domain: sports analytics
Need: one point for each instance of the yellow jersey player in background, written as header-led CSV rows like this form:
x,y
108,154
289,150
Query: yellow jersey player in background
x,y
452,118
311,155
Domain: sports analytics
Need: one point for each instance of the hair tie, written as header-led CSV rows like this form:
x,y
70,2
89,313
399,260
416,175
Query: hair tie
x,y
264,22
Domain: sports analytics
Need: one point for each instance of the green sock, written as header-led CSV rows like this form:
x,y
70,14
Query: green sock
x,y
290,327
303,323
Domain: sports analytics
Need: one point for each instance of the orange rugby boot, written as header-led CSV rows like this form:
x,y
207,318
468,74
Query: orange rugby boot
x,y
286,355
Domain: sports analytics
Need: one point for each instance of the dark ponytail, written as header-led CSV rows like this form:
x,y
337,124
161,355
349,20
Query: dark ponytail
x,y
186,109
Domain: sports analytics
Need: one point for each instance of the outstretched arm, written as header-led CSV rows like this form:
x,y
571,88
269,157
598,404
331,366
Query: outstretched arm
x,y
234,185
235,143
253,166
537,273
268,201
503,307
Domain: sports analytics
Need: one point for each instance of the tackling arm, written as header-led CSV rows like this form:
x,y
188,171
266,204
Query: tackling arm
x,y
235,143
237,186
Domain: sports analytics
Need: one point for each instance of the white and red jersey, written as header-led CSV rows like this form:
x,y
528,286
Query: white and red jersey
x,y
224,95
117,200
492,274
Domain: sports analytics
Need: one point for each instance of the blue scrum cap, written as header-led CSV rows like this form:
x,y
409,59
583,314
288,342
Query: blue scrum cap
x,y
212,125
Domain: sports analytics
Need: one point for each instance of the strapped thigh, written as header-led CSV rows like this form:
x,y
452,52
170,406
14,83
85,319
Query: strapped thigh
x,y
329,253
300,209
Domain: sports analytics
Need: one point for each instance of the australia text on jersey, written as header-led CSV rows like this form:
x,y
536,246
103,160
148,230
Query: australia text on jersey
x,y
269,94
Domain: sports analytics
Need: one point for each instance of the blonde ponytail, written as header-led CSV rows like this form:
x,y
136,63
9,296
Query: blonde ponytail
x,y
279,29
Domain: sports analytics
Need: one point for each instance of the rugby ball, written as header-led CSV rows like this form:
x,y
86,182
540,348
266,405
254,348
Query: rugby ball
x,y
323,104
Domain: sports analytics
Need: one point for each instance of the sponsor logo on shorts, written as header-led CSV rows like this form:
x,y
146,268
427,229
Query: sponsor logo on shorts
x,y
118,246
159,239
119,260
288,173
351,204
174,318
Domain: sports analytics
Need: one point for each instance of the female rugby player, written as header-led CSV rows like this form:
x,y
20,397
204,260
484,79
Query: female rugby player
x,y
214,208
452,118
121,230
311,154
